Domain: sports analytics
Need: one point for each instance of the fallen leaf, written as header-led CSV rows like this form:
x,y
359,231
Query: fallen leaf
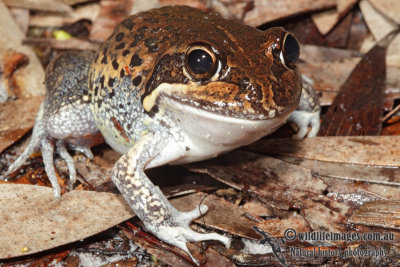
x,y
281,185
365,150
22,18
46,5
358,107
350,172
89,11
111,13
326,20
379,213
70,44
16,119
32,219
29,78
390,8
270,10
378,24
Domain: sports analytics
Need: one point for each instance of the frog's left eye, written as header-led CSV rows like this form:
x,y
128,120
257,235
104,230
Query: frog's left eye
x,y
201,61
290,51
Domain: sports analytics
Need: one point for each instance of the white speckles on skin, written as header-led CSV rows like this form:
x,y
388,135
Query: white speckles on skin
x,y
271,113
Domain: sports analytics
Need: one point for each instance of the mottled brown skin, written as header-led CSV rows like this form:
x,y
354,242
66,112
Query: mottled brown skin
x,y
135,49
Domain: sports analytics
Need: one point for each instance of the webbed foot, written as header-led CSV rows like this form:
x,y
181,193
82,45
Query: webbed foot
x,y
303,119
177,231
41,140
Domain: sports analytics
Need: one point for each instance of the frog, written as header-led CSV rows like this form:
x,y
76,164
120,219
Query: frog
x,y
172,85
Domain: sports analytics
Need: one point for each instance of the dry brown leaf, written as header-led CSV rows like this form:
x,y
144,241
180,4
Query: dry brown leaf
x,y
269,10
89,11
325,21
16,119
33,221
359,173
365,150
378,24
221,214
111,13
282,186
330,67
380,213
29,79
390,8
45,5
22,18
69,44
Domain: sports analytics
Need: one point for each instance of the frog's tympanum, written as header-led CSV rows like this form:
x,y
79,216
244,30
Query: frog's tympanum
x,y
169,86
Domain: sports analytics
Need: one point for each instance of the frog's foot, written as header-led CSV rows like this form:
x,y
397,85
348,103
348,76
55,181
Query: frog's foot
x,y
176,229
43,141
303,119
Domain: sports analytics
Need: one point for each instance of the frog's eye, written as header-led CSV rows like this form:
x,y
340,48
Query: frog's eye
x,y
201,61
290,51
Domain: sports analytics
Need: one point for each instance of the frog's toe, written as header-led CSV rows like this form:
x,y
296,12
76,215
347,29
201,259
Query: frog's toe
x,y
188,217
180,233
303,119
63,152
47,148
83,149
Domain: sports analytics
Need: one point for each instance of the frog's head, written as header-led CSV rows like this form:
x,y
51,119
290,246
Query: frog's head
x,y
196,66
225,68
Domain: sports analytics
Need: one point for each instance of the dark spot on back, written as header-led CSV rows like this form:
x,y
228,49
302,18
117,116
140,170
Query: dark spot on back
x,y
122,73
151,44
115,64
120,46
137,80
142,30
102,81
128,24
126,52
119,37
111,82
96,90
153,49
135,61
136,40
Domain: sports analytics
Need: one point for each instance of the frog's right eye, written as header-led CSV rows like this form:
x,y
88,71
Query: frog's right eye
x,y
201,61
290,51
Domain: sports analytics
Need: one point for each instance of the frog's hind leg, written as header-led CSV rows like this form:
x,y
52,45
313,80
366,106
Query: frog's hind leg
x,y
63,152
38,134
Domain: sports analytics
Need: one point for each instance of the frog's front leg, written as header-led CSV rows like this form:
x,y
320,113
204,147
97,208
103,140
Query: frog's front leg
x,y
147,200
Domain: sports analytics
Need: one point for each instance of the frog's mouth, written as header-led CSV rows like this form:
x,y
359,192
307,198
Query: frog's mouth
x,y
216,128
219,98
